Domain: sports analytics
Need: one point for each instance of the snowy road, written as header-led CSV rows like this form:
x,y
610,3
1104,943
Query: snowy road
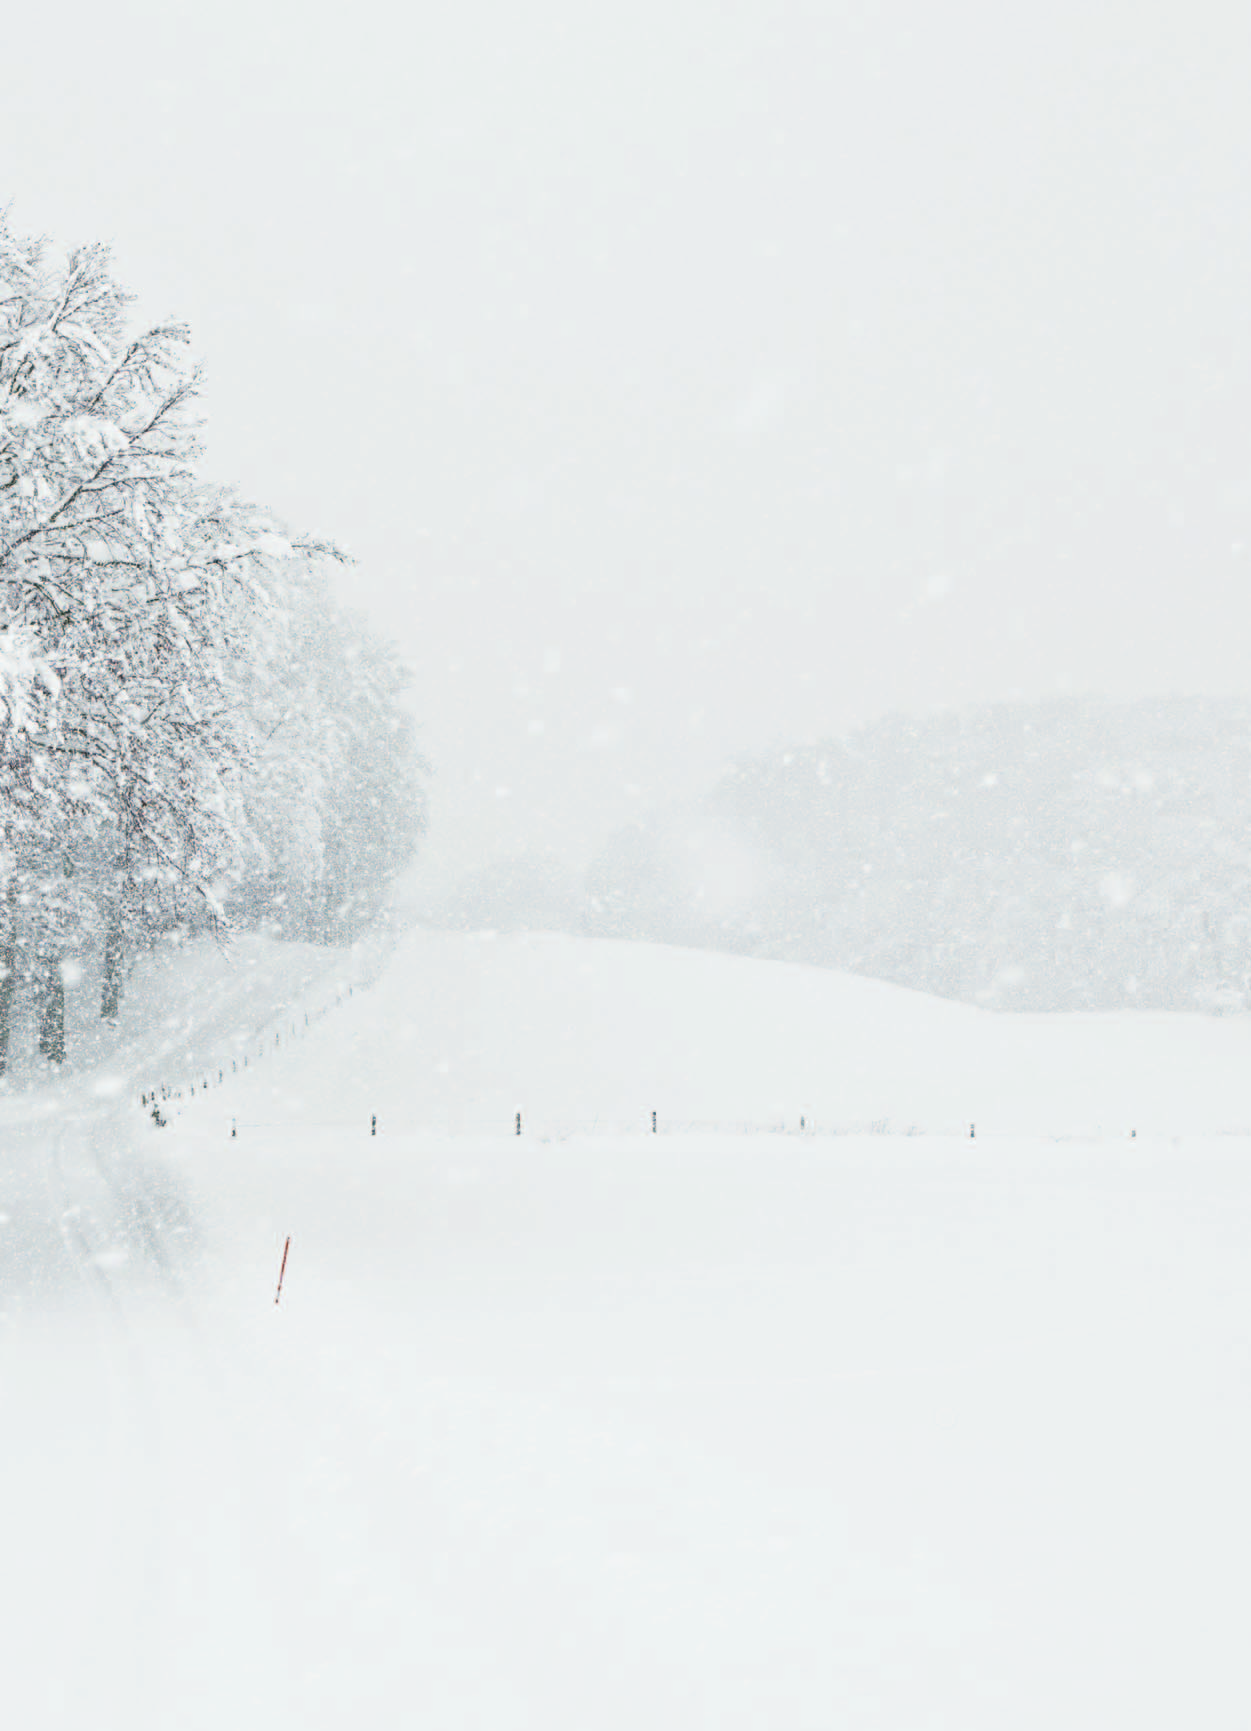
x,y
616,1430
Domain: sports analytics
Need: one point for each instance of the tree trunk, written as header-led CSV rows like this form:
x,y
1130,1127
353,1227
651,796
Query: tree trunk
x,y
114,956
52,1010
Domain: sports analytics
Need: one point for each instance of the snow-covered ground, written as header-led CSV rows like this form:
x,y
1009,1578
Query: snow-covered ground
x,y
733,1424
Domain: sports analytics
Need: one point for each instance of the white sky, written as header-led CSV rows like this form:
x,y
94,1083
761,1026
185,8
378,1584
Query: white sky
x,y
691,376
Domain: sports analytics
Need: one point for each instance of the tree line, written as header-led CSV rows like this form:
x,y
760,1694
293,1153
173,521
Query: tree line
x,y
1071,855
193,735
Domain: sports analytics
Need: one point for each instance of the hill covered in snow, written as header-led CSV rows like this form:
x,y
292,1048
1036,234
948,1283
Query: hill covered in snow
x,y
463,1031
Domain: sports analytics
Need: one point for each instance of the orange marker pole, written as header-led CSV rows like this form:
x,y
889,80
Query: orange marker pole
x,y
283,1269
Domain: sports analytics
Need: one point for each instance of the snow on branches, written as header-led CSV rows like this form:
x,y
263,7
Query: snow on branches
x,y
145,616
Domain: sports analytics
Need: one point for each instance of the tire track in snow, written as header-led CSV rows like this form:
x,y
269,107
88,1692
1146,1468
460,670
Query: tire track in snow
x,y
84,1205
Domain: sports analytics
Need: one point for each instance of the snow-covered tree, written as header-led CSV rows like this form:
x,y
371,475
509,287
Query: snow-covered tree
x,y
333,798
138,607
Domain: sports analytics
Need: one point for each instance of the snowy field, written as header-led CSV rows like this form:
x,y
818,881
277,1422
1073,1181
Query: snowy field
x,y
872,1423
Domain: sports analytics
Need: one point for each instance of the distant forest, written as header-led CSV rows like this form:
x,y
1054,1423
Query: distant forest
x,y
1075,855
